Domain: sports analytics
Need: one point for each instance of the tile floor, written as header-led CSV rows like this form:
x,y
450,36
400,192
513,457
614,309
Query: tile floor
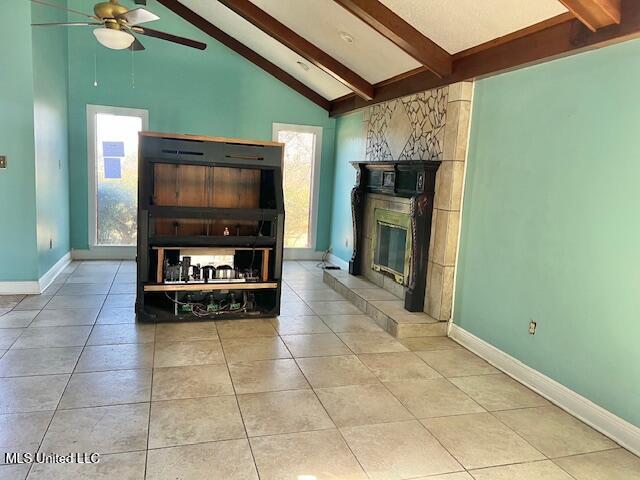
x,y
319,393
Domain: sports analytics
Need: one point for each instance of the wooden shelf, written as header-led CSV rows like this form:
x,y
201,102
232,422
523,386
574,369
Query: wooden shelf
x,y
162,211
207,162
205,287
209,240
211,250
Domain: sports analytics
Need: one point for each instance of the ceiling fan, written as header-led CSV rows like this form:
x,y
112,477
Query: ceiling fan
x,y
116,25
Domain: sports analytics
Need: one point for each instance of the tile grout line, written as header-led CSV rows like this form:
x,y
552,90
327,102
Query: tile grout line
x,y
412,415
329,416
153,361
445,416
68,380
391,393
492,413
235,395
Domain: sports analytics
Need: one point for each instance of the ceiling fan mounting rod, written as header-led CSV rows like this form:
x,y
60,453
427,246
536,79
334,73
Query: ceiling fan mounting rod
x,y
111,9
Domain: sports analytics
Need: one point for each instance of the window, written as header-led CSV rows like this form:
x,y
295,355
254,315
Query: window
x,y
113,174
301,177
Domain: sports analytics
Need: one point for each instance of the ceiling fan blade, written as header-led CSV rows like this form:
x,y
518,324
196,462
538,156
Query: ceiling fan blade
x,y
53,5
169,37
138,16
136,46
65,24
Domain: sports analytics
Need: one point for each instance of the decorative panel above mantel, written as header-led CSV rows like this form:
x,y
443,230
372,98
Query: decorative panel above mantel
x,y
409,128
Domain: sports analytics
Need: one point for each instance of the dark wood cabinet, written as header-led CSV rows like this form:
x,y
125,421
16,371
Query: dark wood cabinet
x,y
208,198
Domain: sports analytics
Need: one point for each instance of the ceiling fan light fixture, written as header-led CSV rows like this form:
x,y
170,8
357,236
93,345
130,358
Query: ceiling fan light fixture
x,y
113,38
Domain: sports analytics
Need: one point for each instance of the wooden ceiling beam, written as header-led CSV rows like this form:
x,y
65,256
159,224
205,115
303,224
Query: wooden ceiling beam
x,y
553,40
595,14
230,42
391,26
301,46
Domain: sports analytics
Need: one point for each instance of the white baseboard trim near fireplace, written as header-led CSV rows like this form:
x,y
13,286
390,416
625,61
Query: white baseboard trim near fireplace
x,y
338,262
605,422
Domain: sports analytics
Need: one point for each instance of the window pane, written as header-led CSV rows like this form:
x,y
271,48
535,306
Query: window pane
x,y
117,178
298,176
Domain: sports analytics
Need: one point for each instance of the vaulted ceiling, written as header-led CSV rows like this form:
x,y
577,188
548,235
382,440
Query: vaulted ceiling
x,y
345,54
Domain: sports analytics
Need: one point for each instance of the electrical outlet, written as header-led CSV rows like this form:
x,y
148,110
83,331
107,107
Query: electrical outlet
x,y
532,327
50,243
3,161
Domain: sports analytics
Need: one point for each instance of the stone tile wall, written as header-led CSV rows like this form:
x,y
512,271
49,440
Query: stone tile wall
x,y
431,125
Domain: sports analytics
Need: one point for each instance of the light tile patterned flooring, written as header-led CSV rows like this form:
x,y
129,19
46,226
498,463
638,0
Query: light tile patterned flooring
x,y
319,393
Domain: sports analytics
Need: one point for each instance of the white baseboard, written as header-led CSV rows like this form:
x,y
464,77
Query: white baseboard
x,y
49,277
35,287
20,288
302,254
105,253
338,262
614,427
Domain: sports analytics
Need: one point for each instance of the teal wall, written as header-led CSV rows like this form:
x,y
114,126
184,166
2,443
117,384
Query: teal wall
x,y
350,146
550,227
34,192
214,92
50,73
17,185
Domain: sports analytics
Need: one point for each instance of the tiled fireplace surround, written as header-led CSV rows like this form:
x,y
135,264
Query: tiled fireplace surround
x,y
432,125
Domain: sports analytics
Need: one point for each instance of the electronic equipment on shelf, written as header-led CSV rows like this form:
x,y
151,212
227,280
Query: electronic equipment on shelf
x,y
185,272
213,304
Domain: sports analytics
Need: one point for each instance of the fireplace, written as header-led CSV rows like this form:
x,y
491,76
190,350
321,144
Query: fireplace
x,y
391,244
395,241
430,126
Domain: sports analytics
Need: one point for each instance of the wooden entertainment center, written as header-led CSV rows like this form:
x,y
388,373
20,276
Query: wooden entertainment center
x,y
210,228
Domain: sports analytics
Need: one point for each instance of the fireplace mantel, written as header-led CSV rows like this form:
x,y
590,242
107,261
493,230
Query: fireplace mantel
x,y
413,179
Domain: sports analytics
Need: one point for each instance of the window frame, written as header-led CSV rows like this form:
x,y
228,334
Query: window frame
x,y
315,181
111,251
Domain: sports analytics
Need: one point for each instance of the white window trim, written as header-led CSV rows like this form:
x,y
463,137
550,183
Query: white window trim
x,y
303,253
119,251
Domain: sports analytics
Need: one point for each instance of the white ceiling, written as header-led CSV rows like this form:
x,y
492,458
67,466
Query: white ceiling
x,y
455,25
263,44
370,55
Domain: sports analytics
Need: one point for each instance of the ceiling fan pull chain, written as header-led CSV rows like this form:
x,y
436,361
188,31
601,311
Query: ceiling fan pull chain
x,y
133,72
95,69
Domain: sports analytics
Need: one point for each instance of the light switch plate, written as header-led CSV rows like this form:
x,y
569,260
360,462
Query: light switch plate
x,y
3,161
